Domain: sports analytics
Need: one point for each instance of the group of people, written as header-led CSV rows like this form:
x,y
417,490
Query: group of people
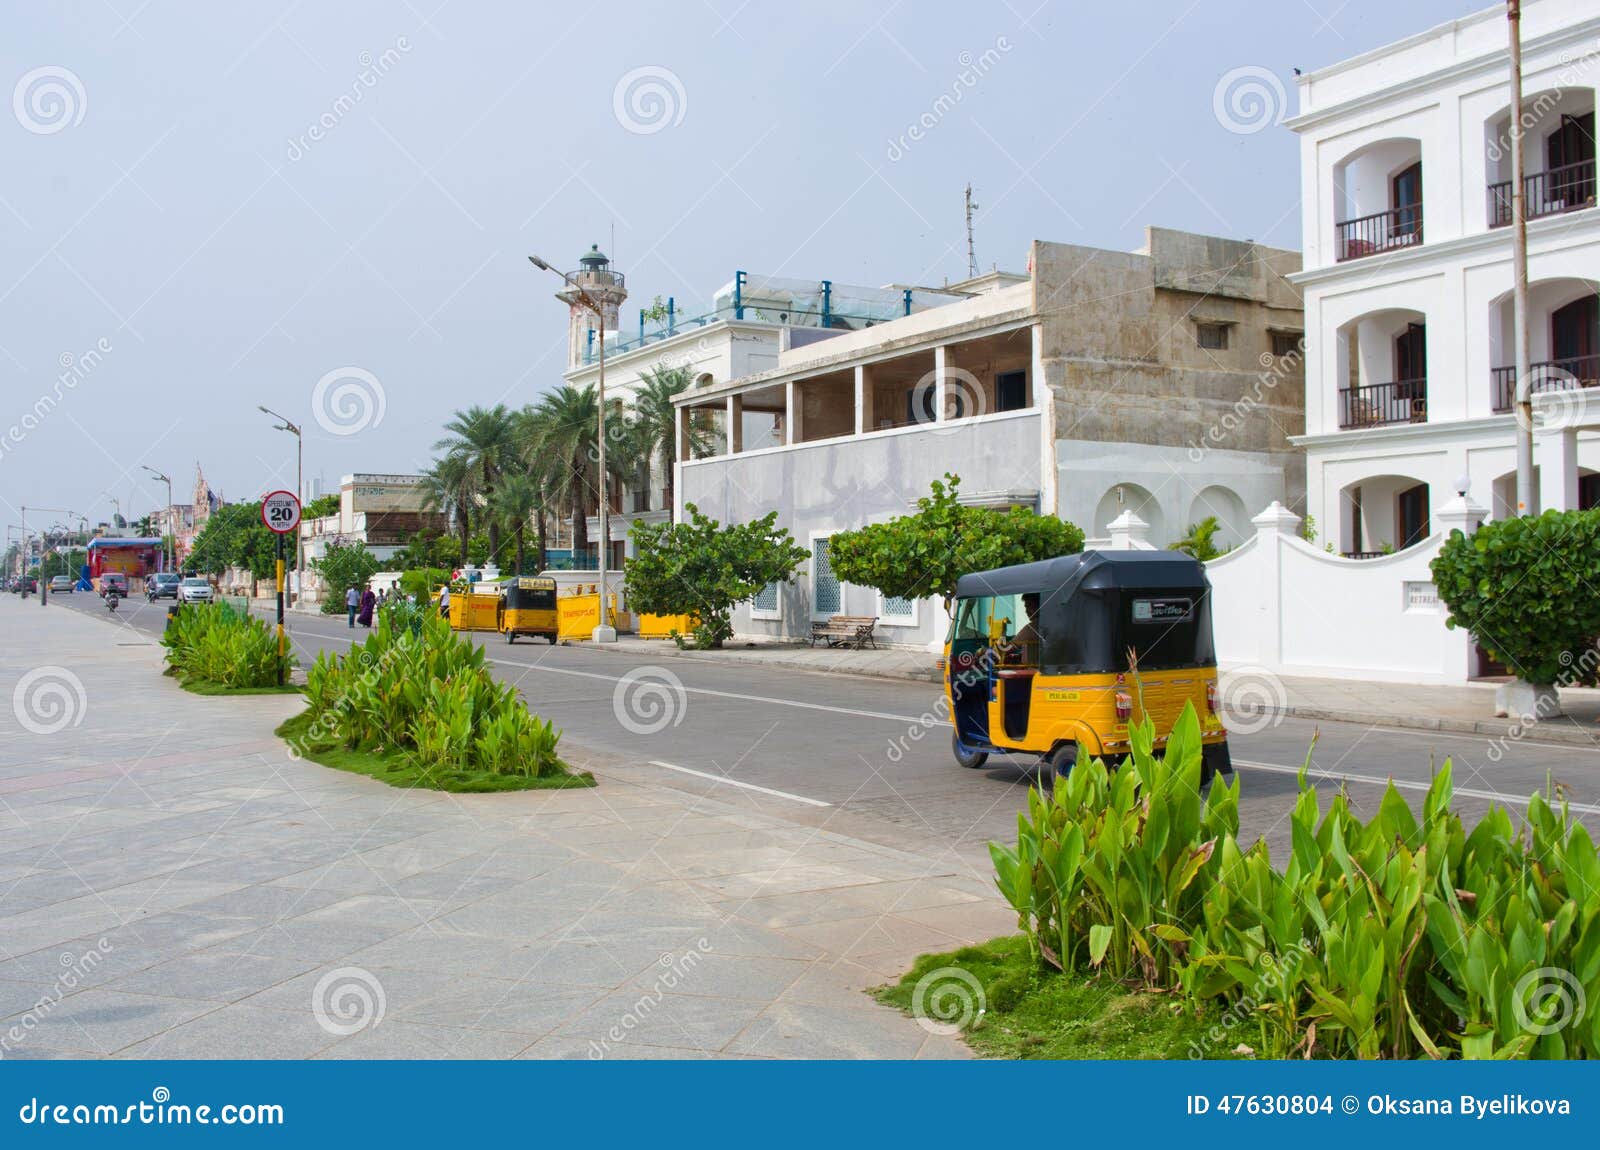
x,y
359,605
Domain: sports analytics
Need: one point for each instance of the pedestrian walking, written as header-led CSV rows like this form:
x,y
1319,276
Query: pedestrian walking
x,y
368,602
352,601
444,601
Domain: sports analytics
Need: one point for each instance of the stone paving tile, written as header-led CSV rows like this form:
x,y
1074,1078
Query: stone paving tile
x,y
808,1030
103,1021
651,1018
239,1031
725,976
876,934
212,975
394,1039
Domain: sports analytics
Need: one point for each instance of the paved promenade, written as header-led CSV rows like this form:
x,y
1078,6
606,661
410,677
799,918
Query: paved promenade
x,y
173,885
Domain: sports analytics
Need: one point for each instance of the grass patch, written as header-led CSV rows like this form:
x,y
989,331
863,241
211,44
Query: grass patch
x,y
399,769
1034,1013
207,687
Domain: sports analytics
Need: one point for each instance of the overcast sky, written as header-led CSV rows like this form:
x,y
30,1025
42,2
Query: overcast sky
x,y
204,207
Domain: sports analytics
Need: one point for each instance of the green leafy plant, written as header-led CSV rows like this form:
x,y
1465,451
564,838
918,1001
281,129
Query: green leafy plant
x,y
700,567
343,566
914,556
1398,936
1511,583
213,643
1200,540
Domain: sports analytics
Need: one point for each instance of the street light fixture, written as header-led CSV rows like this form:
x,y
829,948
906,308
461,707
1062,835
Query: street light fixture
x,y
172,532
299,493
603,632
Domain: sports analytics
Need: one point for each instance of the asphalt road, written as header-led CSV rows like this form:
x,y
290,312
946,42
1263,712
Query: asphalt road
x,y
876,748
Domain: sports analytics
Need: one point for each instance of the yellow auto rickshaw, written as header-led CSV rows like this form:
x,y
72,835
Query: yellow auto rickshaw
x,y
1037,659
529,608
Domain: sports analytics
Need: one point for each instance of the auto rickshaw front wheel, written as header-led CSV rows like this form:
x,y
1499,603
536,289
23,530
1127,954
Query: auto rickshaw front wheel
x,y
972,760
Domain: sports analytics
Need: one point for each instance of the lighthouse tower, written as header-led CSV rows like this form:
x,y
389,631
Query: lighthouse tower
x,y
606,288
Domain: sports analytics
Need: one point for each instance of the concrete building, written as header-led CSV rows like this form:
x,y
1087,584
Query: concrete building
x,y
380,511
1410,373
1164,382
750,321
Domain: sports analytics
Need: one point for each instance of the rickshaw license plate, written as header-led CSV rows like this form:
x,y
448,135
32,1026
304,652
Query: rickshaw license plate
x,y
1161,610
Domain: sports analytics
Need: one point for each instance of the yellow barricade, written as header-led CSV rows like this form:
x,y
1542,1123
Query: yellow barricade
x,y
578,615
662,626
473,612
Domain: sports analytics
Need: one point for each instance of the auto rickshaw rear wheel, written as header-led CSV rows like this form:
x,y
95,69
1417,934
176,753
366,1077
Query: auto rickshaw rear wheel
x,y
1215,759
972,760
1061,760
511,636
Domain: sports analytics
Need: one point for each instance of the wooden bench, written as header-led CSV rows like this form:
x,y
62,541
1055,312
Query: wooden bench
x,y
846,631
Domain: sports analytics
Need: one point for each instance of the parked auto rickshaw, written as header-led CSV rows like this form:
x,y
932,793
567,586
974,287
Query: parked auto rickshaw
x,y
529,608
1037,660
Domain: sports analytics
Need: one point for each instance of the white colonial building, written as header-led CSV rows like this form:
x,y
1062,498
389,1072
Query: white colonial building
x,y
1407,280
1163,382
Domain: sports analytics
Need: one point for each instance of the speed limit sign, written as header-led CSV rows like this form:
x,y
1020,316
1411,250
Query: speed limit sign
x,y
280,511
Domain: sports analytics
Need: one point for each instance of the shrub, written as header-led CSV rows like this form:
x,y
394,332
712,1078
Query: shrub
x,y
420,581
1514,583
215,644
343,567
416,688
1397,937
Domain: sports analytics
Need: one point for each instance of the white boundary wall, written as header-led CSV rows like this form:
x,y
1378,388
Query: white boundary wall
x,y
1285,606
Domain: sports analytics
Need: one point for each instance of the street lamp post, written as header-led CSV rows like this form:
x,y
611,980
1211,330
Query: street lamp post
x,y
603,632
299,493
43,600
172,532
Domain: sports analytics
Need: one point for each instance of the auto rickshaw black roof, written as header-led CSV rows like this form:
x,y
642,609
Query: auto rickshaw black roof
x,y
1090,571
1088,617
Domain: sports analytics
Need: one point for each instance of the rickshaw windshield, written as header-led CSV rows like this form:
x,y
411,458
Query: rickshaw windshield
x,y
990,617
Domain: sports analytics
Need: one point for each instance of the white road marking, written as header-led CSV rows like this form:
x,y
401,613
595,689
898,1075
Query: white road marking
x,y
918,720
1419,733
738,783
1403,784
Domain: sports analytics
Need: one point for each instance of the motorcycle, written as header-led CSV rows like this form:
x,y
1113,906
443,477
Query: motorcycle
x,y
112,599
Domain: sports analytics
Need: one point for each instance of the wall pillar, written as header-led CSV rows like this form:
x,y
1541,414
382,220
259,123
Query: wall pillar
x,y
939,382
1457,654
1129,533
1272,525
1556,451
735,424
863,420
789,437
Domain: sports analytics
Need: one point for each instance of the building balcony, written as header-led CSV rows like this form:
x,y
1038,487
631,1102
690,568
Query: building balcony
x,y
1382,404
1547,375
1569,188
1384,231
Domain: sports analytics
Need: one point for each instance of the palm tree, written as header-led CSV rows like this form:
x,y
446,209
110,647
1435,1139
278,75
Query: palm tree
x,y
447,487
656,420
518,498
481,439
567,437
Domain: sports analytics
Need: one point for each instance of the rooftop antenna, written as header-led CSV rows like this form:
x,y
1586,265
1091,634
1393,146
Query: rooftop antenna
x,y
972,252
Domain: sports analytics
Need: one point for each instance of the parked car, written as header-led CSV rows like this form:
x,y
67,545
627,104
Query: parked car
x,y
114,579
162,585
60,583
194,590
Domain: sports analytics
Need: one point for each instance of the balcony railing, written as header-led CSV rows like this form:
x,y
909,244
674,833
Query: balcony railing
x,y
1548,375
1377,404
1564,189
1380,232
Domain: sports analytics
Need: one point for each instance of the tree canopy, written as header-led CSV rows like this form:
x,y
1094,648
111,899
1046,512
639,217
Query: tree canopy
x,y
922,554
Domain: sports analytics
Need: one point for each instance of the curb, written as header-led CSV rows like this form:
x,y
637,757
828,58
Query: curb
x,y
1548,731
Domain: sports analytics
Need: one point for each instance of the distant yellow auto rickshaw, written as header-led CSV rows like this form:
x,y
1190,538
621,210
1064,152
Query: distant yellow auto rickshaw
x,y
1037,659
529,608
